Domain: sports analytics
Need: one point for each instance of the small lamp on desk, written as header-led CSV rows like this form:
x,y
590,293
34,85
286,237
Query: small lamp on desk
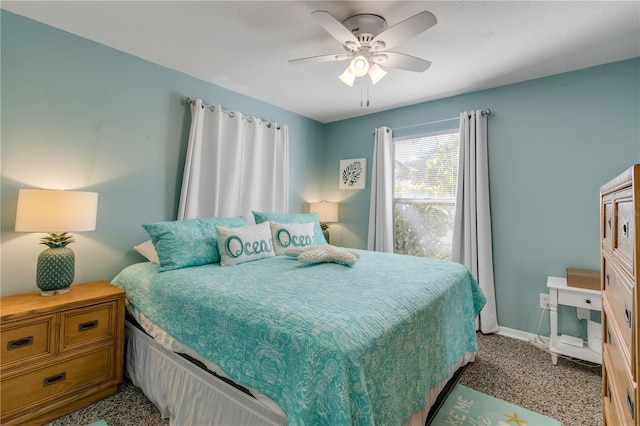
x,y
56,212
327,212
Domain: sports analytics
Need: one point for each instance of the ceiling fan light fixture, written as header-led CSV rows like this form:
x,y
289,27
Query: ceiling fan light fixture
x,y
376,73
359,66
347,78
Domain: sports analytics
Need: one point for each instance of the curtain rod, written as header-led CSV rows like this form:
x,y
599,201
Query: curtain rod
x,y
231,113
483,112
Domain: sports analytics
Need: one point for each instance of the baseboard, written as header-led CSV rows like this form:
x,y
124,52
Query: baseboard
x,y
518,334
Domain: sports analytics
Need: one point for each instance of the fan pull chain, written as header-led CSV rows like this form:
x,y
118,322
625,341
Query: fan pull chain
x,y
362,83
367,92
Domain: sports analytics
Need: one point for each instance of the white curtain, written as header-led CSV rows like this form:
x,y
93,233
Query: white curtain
x,y
381,206
472,225
234,164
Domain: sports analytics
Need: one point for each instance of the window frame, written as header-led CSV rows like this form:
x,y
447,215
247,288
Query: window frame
x,y
435,200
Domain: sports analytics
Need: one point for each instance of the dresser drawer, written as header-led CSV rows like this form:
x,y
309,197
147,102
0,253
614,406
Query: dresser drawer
x,y
620,259
90,324
619,298
611,406
625,233
29,388
27,340
609,222
622,387
69,351
617,348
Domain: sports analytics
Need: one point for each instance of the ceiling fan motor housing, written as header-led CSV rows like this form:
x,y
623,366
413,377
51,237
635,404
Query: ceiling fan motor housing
x,y
365,26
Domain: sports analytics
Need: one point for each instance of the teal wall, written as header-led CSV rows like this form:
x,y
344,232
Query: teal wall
x,y
552,143
77,114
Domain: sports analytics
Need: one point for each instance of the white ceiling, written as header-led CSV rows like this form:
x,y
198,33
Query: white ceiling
x,y
245,45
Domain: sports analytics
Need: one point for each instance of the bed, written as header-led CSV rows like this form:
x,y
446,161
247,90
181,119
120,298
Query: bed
x,y
299,343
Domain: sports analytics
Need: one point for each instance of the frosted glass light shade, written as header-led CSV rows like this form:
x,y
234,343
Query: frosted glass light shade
x,y
50,210
327,212
376,73
347,78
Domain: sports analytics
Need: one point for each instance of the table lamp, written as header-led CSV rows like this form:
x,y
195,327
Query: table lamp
x,y
327,212
56,212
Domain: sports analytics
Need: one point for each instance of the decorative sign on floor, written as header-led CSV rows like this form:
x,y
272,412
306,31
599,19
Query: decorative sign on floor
x,y
467,407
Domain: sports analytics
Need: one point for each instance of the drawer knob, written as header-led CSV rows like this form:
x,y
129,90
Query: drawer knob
x,y
587,301
609,222
627,315
54,379
608,279
625,229
19,343
608,336
88,325
630,403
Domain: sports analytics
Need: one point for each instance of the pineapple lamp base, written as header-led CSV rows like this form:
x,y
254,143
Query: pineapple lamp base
x,y
56,265
55,292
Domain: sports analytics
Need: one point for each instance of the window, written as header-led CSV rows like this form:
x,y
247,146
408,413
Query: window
x,y
425,183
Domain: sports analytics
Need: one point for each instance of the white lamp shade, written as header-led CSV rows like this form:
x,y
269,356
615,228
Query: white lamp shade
x,y
50,210
327,212
347,78
376,73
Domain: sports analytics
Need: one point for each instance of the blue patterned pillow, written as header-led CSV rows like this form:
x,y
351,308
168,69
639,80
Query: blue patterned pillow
x,y
291,235
191,242
293,218
239,245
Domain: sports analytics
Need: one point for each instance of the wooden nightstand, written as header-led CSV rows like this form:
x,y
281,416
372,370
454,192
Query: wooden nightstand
x,y
59,353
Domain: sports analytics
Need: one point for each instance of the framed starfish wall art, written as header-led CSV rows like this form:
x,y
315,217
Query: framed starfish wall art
x,y
353,173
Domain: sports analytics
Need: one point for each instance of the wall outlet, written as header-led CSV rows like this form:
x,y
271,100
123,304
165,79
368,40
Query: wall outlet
x,y
544,300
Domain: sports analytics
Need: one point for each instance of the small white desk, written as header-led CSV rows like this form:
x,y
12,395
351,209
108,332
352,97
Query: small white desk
x,y
561,294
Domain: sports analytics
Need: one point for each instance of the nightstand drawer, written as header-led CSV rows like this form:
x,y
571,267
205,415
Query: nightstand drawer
x,y
27,340
571,298
90,324
30,388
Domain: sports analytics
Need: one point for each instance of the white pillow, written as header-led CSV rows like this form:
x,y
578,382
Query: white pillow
x,y
239,245
148,250
291,235
329,254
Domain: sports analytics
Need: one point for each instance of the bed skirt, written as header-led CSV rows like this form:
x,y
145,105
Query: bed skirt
x,y
189,395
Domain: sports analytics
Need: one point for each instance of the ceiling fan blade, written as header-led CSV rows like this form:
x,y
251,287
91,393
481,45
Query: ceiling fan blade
x,y
321,58
336,29
401,61
405,30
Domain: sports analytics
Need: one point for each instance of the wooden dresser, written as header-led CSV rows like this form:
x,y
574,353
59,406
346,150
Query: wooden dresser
x,y
620,249
59,353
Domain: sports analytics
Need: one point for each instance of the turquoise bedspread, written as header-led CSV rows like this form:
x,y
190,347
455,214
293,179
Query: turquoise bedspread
x,y
331,344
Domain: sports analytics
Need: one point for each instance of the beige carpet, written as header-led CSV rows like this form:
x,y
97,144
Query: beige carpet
x,y
522,374
505,368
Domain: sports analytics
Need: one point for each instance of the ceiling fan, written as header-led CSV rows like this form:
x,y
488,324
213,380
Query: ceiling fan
x,y
366,38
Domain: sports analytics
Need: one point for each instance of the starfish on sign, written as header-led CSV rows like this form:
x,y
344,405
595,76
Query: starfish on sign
x,y
515,419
